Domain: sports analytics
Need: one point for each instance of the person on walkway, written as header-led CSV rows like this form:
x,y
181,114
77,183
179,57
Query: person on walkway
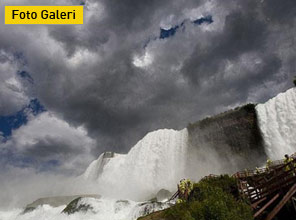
x,y
181,191
189,188
268,164
288,161
184,189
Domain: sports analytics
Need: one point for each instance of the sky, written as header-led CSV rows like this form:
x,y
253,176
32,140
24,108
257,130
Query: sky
x,y
71,92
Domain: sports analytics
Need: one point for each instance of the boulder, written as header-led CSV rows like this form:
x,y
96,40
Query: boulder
x,y
163,194
54,201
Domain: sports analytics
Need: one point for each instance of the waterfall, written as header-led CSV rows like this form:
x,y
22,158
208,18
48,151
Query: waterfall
x,y
160,160
277,122
155,162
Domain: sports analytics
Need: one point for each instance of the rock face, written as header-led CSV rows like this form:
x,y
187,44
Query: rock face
x,y
163,194
55,201
147,208
105,208
233,136
220,144
77,206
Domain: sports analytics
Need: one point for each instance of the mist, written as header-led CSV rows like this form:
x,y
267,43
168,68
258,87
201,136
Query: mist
x,y
158,161
21,186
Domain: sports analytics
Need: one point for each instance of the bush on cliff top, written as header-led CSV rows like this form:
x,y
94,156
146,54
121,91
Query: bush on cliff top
x,y
212,199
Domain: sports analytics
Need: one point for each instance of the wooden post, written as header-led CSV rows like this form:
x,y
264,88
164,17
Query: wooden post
x,y
254,205
266,205
293,201
286,198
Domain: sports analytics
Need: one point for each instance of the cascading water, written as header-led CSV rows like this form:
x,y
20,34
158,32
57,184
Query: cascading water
x,y
158,161
101,209
277,122
155,162
96,167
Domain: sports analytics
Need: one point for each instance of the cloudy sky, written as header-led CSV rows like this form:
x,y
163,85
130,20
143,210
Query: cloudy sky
x,y
68,93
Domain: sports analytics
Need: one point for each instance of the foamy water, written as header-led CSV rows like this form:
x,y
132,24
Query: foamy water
x,y
155,162
102,209
277,122
158,162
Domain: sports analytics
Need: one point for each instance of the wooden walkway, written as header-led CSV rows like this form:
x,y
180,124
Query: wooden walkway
x,y
268,188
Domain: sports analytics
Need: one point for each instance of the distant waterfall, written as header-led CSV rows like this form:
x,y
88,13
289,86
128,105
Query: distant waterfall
x,y
277,122
155,162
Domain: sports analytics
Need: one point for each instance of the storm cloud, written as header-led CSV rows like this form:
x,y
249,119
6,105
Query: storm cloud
x,y
115,78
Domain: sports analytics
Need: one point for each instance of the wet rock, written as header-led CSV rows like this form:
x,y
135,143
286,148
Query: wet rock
x,y
163,194
54,201
76,206
234,135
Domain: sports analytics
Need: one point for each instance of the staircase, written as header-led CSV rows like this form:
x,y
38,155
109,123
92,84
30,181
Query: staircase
x,y
270,187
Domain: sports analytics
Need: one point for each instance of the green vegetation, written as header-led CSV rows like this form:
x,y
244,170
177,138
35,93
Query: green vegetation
x,y
212,199
153,216
224,182
294,81
250,107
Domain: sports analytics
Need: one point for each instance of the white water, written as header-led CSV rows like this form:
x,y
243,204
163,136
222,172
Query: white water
x,y
158,162
277,122
155,162
102,209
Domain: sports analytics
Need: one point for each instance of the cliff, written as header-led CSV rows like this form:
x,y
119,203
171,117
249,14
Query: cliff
x,y
233,135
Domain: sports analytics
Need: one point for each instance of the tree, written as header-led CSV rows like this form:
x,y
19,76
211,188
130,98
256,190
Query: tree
x,y
294,81
212,199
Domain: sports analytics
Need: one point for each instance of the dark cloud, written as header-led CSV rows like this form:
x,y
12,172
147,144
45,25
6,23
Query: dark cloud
x,y
280,12
51,148
123,102
242,33
88,75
